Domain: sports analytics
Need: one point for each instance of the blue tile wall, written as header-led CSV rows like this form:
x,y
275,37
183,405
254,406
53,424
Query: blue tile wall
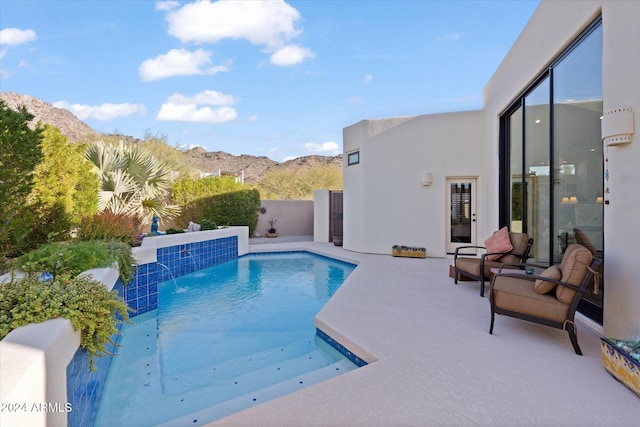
x,y
84,388
342,349
141,294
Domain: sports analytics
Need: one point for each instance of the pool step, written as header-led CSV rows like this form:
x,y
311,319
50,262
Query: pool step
x,y
181,352
259,396
252,371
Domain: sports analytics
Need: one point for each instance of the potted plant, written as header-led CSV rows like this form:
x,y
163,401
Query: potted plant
x,y
621,359
272,232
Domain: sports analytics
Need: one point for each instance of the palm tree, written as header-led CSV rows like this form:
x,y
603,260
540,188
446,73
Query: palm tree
x,y
132,181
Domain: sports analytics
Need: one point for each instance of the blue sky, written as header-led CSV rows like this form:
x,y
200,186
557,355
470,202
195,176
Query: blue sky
x,y
266,78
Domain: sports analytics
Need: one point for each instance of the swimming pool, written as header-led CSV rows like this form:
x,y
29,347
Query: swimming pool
x,y
224,339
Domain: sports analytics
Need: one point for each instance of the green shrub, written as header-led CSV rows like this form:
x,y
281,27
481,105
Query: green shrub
x,y
121,253
107,226
173,231
234,208
20,152
65,189
87,303
76,257
188,190
207,224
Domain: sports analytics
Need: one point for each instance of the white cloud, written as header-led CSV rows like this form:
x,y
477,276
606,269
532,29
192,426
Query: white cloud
x,y
166,5
272,150
179,62
269,23
209,97
187,109
327,147
368,78
449,37
291,55
3,52
191,113
16,36
287,158
253,118
106,111
187,147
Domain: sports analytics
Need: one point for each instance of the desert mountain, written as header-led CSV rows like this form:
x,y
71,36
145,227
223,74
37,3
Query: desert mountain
x,y
74,129
70,126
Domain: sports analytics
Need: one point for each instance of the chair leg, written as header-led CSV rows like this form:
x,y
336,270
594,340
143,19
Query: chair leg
x,y
482,286
455,275
571,329
493,316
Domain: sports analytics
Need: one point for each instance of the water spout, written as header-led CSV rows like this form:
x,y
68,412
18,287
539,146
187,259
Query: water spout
x,y
186,253
179,290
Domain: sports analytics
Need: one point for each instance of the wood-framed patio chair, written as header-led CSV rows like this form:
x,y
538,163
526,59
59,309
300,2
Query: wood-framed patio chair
x,y
480,268
549,298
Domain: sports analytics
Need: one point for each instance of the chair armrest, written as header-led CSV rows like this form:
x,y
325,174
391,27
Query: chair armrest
x,y
533,277
484,255
455,255
522,265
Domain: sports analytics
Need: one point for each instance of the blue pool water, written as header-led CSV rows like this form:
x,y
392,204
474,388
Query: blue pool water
x,y
224,339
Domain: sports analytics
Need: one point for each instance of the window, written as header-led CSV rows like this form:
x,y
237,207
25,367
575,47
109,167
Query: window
x,y
552,164
353,158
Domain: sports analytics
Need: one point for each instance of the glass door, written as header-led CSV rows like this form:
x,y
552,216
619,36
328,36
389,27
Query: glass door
x,y
461,218
552,168
536,170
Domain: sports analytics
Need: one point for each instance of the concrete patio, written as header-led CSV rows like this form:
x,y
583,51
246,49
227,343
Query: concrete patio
x,y
433,362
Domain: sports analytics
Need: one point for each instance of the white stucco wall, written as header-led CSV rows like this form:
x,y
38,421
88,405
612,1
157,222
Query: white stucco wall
x,y
321,216
384,202
553,26
294,217
34,360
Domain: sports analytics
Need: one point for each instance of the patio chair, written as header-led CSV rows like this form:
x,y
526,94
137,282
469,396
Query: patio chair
x,y
517,250
549,298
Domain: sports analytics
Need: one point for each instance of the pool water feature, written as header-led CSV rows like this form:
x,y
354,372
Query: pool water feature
x,y
236,335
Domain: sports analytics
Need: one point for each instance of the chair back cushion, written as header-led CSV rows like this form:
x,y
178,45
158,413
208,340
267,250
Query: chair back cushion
x,y
574,267
542,286
519,241
582,239
499,242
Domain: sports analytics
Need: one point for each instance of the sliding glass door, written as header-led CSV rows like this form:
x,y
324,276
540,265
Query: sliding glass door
x,y
552,159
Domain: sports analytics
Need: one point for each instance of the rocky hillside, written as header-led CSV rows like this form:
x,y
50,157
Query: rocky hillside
x,y
69,125
254,167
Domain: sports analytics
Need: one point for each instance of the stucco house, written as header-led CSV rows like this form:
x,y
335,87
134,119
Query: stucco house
x,y
552,153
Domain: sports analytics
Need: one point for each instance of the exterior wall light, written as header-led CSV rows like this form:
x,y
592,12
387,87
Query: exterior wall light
x,y
617,126
426,179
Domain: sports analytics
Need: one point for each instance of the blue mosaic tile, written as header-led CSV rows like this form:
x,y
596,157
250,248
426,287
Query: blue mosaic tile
x,y
84,388
153,301
342,349
143,279
143,269
143,303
